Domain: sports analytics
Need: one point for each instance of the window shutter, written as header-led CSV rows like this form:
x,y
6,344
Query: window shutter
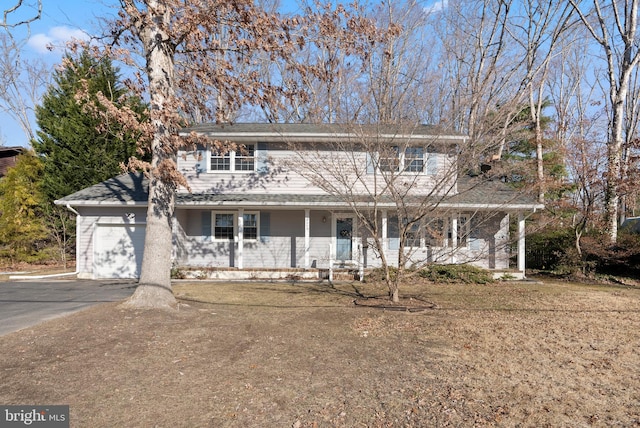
x,y
370,165
432,163
475,242
201,161
262,166
206,225
393,233
265,227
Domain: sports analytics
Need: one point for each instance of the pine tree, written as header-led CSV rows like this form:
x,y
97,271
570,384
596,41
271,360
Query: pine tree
x,y
76,148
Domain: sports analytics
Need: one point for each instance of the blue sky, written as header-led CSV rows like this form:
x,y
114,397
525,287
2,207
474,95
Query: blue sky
x,y
61,21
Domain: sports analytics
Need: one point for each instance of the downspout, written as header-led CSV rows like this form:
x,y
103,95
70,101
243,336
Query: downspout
x,y
70,208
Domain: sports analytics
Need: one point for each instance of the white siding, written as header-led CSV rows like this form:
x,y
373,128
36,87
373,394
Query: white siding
x,y
284,174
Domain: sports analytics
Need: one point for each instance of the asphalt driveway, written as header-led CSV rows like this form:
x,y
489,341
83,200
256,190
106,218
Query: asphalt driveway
x,y
27,303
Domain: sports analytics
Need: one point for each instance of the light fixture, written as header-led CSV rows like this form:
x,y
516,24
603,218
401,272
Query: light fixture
x,y
324,219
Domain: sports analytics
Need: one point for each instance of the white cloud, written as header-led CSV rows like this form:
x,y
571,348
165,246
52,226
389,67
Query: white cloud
x,y
436,7
55,40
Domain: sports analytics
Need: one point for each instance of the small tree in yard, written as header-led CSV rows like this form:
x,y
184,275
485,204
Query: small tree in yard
x,y
376,174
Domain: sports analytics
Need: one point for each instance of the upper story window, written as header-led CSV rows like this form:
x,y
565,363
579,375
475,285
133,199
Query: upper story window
x,y
245,158
412,159
389,161
242,159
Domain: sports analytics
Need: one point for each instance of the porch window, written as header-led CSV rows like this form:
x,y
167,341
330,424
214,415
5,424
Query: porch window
x,y
463,230
464,227
413,235
434,232
223,227
250,229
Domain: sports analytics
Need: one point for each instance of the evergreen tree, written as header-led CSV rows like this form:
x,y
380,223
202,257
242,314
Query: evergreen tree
x,y
22,225
76,147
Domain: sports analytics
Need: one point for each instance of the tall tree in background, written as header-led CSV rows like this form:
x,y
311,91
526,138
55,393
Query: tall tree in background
x,y
538,33
614,26
77,149
21,80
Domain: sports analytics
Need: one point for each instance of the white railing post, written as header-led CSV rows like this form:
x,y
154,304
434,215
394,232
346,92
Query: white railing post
x,y
330,263
360,263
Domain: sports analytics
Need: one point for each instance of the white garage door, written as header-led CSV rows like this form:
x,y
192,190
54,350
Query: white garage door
x,y
118,251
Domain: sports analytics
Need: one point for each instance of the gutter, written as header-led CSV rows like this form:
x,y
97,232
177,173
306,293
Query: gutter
x,y
70,208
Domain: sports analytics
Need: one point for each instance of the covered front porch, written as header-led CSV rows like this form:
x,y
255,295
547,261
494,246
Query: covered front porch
x,y
267,241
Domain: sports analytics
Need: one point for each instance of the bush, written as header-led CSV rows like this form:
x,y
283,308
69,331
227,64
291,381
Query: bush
x,y
620,259
464,273
377,274
552,250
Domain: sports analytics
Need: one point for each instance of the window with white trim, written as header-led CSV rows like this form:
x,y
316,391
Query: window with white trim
x,y
389,160
413,236
434,231
250,228
241,160
464,228
245,158
225,226
412,159
220,161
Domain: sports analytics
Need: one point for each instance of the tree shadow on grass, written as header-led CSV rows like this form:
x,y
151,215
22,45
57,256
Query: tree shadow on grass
x,y
299,294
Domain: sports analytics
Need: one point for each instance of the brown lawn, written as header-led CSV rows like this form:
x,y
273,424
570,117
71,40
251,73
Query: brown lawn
x,y
303,355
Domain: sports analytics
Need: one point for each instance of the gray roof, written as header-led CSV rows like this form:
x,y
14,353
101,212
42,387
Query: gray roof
x,y
277,132
132,188
129,188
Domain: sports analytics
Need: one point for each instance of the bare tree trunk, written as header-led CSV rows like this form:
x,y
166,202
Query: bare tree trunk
x,y
154,289
614,151
622,57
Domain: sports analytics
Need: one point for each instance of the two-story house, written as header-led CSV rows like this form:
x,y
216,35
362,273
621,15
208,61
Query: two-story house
x,y
300,199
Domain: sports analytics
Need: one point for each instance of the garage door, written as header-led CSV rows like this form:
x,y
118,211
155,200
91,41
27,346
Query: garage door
x,y
118,251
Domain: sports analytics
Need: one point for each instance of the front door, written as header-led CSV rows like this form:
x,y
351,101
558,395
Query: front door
x,y
344,241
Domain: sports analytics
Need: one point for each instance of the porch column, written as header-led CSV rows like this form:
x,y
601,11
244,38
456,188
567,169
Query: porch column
x,y
521,242
240,237
306,238
385,229
454,238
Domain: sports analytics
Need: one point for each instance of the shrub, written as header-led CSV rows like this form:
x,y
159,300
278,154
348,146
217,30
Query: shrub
x,y
377,274
463,273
